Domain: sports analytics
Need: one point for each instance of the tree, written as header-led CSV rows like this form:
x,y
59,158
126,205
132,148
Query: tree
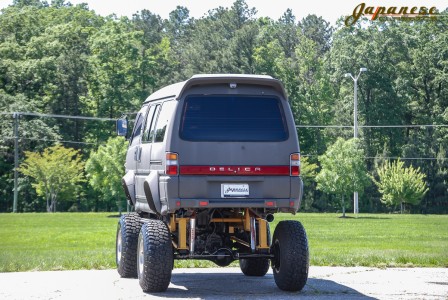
x,y
318,30
57,171
308,174
32,134
286,33
61,58
105,168
114,62
222,42
399,185
343,169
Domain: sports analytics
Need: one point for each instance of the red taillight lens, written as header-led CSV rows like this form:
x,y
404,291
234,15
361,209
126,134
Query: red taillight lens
x,y
294,163
172,164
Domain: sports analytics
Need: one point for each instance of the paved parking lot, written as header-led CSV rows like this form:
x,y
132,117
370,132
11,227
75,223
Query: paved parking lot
x,y
229,283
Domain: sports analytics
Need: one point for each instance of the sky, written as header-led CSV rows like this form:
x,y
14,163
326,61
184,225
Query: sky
x,y
329,10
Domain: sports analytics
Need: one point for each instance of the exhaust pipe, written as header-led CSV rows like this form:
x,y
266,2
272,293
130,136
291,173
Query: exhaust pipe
x,y
269,218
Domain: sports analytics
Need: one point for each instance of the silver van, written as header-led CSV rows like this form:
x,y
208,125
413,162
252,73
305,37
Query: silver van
x,y
210,160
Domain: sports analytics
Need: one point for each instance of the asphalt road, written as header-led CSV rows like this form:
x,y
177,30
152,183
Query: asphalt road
x,y
229,283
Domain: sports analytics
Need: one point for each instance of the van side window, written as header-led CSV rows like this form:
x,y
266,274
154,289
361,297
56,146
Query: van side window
x,y
136,133
150,120
152,131
162,121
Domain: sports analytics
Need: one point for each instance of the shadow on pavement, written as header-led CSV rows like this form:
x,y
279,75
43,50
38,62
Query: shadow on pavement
x,y
234,285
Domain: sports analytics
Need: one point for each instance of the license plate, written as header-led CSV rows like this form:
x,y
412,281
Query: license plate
x,y
234,190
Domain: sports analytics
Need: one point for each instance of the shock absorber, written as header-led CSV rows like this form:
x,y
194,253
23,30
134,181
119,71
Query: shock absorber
x,y
253,235
192,233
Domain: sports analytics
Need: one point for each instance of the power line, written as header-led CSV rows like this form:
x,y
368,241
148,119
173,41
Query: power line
x,y
16,116
57,116
402,126
388,157
371,126
297,126
323,126
406,158
47,140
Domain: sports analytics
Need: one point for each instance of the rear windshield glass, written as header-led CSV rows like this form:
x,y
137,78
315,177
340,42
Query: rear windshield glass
x,y
233,118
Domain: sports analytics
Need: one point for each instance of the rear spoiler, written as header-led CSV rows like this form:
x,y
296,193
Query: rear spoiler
x,y
205,79
178,89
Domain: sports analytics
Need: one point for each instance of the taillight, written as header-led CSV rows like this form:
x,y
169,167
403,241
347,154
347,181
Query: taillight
x,y
294,163
172,164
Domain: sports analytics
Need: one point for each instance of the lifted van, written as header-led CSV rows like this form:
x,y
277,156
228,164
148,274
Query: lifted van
x,y
210,160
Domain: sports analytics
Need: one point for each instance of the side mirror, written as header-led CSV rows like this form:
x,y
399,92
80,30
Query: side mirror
x,y
122,127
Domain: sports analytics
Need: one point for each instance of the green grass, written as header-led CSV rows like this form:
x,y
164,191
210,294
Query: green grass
x,y
377,240
87,241
57,241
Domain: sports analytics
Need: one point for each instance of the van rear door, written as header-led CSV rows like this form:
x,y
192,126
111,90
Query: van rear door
x,y
235,147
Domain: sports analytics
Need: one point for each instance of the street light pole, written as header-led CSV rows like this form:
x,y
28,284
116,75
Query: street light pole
x,y
16,160
355,108
355,135
355,125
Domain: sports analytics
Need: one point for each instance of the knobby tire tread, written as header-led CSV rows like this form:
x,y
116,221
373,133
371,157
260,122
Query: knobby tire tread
x,y
158,257
130,225
294,256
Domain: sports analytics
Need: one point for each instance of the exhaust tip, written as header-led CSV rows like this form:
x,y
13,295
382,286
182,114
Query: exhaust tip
x,y
269,218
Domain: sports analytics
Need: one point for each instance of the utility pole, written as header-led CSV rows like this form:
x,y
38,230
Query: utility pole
x,y
16,160
355,125
16,116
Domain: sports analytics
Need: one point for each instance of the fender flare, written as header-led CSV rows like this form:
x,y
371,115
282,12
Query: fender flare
x,y
151,188
128,184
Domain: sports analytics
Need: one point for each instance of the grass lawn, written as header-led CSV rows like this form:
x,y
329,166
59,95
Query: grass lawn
x,y
87,241
59,241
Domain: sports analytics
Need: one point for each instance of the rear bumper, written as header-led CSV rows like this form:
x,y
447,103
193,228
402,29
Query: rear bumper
x,y
237,203
281,204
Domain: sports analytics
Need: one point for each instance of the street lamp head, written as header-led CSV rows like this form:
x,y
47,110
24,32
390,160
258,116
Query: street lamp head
x,y
347,75
363,70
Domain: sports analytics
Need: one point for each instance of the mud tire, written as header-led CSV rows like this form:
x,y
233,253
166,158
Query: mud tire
x,y
154,257
128,230
291,256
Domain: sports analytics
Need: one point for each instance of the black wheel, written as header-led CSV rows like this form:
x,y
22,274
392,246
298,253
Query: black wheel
x,y
291,257
126,244
256,266
155,257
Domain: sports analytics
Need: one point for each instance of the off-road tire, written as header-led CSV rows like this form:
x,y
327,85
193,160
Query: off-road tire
x,y
254,266
291,257
126,244
155,257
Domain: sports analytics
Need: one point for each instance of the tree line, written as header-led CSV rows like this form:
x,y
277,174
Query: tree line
x,y
64,59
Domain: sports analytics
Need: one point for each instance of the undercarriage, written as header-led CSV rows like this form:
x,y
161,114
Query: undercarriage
x,y
220,235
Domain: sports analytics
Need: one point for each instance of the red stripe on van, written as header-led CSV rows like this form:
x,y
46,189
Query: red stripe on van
x,y
235,170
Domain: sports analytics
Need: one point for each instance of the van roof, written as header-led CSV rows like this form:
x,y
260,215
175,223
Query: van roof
x,y
176,90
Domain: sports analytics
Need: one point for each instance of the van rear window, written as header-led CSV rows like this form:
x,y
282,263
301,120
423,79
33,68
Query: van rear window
x,y
233,118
